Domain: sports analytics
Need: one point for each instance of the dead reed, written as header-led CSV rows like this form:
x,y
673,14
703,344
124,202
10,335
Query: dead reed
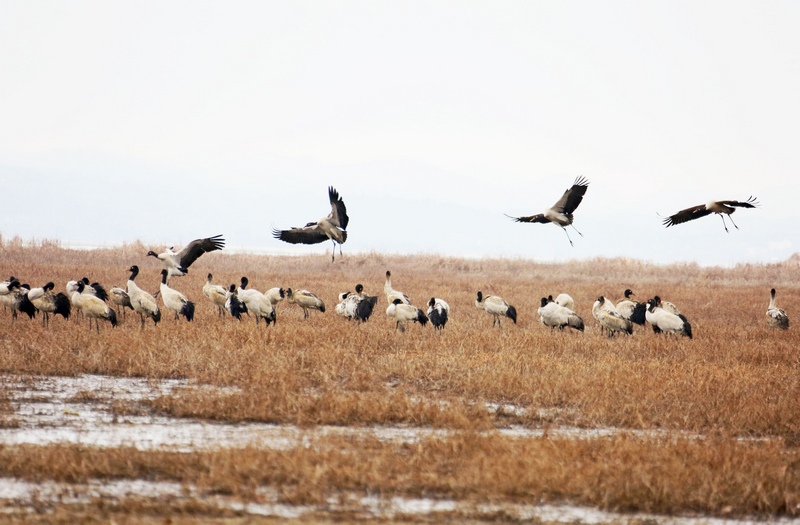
x,y
719,476
736,378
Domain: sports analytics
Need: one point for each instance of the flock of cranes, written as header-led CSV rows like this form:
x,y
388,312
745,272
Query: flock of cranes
x,y
561,213
92,300
333,226
663,316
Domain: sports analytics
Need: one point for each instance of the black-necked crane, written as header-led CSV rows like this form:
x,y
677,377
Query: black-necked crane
x,y
305,300
630,309
142,302
175,300
346,307
356,305
403,313
561,213
275,295
565,300
366,305
626,305
438,312
721,208
16,298
120,298
554,315
71,287
665,321
5,290
776,317
391,293
496,306
93,307
349,301
243,292
48,302
333,226
95,289
234,306
258,304
606,306
216,294
177,263
666,305
610,320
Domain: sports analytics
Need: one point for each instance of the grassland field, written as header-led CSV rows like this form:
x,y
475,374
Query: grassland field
x,y
724,404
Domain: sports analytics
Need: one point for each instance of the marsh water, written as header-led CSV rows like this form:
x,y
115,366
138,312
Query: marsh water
x,y
83,410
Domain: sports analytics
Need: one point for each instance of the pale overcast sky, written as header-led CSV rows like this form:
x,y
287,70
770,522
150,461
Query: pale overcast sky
x,y
168,121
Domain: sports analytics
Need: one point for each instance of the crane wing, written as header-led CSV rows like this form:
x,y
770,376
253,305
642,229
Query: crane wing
x,y
572,197
192,251
307,293
338,215
749,203
689,214
308,234
532,218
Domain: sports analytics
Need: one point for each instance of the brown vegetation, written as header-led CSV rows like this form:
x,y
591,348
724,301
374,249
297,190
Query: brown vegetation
x,y
736,379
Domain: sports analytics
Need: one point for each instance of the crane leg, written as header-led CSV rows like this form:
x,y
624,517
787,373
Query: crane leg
x,y
734,224
576,229
723,223
570,240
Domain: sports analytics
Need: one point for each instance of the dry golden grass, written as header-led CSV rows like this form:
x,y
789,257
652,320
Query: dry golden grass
x,y
622,473
736,378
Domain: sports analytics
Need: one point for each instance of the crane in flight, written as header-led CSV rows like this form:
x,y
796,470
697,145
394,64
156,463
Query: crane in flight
x,y
333,226
561,213
721,208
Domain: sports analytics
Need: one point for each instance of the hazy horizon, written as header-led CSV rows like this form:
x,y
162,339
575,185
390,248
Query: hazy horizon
x,y
167,122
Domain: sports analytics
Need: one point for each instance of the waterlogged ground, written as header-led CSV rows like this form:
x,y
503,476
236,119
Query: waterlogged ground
x,y
108,412
86,410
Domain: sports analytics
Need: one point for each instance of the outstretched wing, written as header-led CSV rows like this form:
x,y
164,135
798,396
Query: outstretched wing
x,y
749,203
689,214
308,234
198,247
572,197
533,218
338,214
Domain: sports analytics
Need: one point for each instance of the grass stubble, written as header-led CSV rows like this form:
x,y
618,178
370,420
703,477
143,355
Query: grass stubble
x,y
736,384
